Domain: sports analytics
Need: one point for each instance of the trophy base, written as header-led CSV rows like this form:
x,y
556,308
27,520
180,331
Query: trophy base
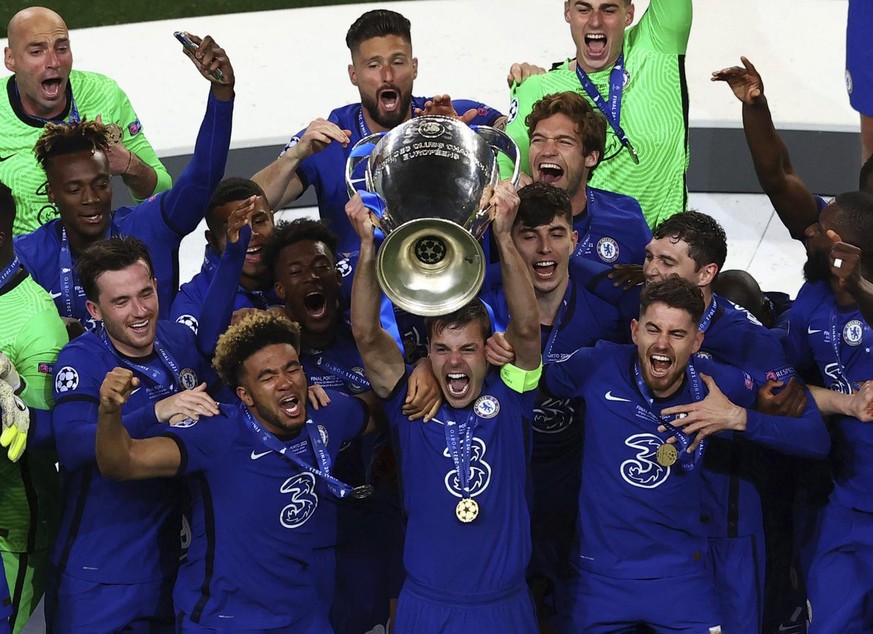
x,y
430,267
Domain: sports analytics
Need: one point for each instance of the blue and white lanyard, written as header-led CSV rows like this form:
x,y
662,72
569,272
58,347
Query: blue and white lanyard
x,y
339,489
155,376
612,111
687,461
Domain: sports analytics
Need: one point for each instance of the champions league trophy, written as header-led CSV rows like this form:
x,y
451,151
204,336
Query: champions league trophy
x,y
429,181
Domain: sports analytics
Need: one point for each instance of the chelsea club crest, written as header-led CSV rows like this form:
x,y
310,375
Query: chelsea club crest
x,y
486,406
853,332
188,379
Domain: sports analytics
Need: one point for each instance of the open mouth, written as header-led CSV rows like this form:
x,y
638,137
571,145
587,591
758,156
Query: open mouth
x,y
290,405
596,44
92,219
253,254
550,173
660,364
315,304
545,269
140,327
390,99
51,88
457,384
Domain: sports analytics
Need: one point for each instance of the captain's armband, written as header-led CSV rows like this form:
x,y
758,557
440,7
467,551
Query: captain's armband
x,y
519,380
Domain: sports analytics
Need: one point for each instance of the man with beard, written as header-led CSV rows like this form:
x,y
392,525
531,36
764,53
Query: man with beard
x,y
570,318
255,283
383,69
118,546
78,170
829,328
259,474
622,70
641,549
45,89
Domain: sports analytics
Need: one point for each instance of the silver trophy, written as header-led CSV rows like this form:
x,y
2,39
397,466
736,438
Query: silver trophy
x,y
431,179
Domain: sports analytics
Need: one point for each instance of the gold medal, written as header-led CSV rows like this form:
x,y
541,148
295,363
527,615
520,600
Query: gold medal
x,y
114,133
467,510
667,455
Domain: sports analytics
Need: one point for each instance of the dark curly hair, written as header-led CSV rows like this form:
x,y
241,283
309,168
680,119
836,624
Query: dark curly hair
x,y
248,336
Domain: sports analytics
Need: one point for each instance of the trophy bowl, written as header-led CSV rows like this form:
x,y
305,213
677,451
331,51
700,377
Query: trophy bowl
x,y
433,177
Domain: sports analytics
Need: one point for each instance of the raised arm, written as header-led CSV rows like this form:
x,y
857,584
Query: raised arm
x,y
279,180
118,455
523,331
796,205
383,360
665,27
184,206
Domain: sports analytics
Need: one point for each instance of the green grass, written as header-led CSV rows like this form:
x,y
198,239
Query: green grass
x,y
83,13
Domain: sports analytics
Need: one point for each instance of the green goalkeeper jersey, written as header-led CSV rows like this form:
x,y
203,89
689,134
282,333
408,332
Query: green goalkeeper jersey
x,y
654,112
89,95
31,335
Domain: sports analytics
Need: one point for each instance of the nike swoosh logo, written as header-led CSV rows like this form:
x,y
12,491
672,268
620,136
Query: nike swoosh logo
x,y
5,158
135,391
255,455
810,331
55,295
790,628
609,397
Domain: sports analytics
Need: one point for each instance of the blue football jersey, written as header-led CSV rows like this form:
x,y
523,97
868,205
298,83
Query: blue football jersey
x,y
161,222
117,532
837,341
638,519
491,553
257,518
612,230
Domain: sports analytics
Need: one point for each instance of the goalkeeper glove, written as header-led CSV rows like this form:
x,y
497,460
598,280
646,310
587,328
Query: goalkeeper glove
x,y
15,422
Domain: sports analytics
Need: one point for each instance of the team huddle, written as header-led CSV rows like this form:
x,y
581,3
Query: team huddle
x,y
616,435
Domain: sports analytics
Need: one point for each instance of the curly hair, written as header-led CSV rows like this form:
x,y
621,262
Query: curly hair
x,y
591,125
247,337
59,139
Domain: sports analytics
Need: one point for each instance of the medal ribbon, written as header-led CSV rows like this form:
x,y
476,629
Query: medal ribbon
x,y
706,320
74,110
461,451
559,319
153,375
584,226
686,460
836,337
339,489
9,270
73,299
346,375
612,111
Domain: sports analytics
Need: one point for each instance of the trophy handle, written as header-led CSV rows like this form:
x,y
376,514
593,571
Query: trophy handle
x,y
360,152
501,143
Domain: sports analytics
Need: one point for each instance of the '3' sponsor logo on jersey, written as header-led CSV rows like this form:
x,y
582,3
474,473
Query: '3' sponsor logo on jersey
x,y
643,471
480,471
304,500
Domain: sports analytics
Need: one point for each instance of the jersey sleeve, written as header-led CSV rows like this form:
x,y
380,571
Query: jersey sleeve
x,y
188,304
565,378
135,140
36,349
184,205
485,115
348,415
665,27
77,398
204,443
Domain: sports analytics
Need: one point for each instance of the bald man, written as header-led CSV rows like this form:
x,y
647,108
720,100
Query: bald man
x,y
45,88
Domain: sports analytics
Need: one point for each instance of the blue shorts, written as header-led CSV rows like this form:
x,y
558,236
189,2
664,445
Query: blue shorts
x,y
840,580
737,565
75,606
605,605
859,56
421,610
